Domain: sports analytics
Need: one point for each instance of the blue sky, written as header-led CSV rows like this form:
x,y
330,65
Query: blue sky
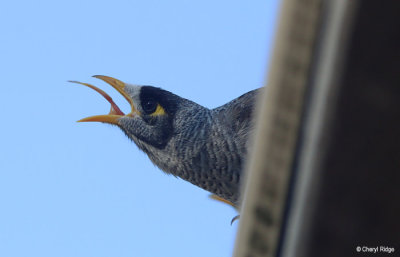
x,y
83,189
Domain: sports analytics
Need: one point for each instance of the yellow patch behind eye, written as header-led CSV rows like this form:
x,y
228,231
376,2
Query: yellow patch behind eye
x,y
159,111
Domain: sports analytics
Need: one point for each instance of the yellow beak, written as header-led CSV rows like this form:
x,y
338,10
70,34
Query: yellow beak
x,y
115,113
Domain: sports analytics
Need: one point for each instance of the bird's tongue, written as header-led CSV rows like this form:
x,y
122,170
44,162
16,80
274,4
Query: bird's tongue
x,y
115,110
114,107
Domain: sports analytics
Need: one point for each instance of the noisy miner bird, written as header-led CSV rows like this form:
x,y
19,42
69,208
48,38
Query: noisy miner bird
x,y
206,147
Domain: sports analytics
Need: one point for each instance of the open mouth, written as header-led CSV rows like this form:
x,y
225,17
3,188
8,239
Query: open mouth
x,y
115,112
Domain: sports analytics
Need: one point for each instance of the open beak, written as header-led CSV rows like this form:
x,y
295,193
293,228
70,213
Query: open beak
x,y
115,113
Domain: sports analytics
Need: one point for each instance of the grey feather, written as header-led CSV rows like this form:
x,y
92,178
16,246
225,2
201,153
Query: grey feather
x,y
207,147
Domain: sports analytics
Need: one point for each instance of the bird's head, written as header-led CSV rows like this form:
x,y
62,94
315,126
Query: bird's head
x,y
153,113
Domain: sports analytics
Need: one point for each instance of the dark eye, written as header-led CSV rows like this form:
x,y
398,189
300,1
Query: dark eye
x,y
149,106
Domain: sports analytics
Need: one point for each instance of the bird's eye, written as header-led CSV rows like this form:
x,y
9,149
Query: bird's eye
x,y
149,106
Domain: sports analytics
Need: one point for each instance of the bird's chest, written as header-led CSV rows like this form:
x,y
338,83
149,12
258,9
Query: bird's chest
x,y
204,168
